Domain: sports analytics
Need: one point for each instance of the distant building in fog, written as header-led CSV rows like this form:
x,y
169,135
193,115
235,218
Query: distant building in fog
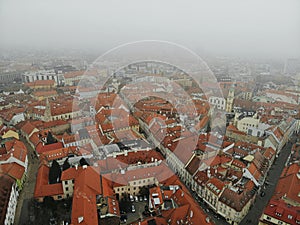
x,y
7,77
32,76
292,66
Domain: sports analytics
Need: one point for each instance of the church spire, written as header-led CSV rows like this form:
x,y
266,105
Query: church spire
x,y
47,114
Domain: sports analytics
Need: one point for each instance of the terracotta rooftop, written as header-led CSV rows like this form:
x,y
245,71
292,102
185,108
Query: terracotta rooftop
x,y
14,170
215,185
41,148
42,186
282,211
41,83
86,187
288,186
236,200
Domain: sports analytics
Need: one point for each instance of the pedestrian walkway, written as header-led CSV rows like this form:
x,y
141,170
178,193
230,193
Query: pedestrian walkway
x,y
28,187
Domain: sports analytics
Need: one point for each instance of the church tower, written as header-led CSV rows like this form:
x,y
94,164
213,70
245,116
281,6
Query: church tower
x,y
47,113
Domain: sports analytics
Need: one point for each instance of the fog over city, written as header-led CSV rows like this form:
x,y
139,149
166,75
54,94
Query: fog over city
x,y
268,28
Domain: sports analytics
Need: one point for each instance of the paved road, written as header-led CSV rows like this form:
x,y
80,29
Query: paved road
x,y
272,178
26,195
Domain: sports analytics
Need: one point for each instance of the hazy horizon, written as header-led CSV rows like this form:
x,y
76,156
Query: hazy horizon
x,y
268,28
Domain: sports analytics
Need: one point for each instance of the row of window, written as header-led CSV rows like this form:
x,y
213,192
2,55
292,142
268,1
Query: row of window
x,y
144,181
128,189
280,222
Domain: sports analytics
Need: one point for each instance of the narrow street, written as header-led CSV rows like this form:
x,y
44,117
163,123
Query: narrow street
x,y
26,195
272,179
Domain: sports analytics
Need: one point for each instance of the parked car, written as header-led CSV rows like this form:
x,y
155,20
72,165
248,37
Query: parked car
x,y
136,198
132,208
145,198
131,198
141,198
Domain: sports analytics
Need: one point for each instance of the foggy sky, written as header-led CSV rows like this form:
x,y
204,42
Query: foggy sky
x,y
239,27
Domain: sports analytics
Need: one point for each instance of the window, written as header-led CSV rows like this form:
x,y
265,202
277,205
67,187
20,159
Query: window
x,y
290,217
66,182
67,189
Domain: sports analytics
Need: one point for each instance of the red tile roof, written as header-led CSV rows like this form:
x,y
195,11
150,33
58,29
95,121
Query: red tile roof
x,y
282,211
86,187
254,171
54,123
217,160
35,139
27,128
161,173
215,185
236,200
288,186
201,177
202,123
15,148
184,148
121,161
59,153
42,187
41,83
269,153
188,210
14,170
45,93
41,148
238,163
74,74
